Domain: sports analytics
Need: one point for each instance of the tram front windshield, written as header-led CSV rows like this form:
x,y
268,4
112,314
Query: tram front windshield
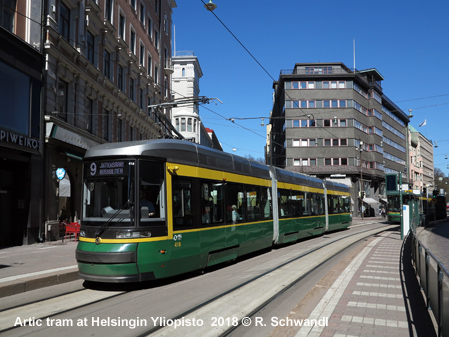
x,y
124,193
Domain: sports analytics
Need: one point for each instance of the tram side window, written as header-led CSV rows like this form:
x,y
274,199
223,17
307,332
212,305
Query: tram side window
x,y
211,203
309,206
338,204
284,203
182,204
265,203
253,203
297,203
346,204
151,191
318,204
235,211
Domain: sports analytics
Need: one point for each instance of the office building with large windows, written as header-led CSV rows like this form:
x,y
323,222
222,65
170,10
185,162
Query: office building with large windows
x,y
336,123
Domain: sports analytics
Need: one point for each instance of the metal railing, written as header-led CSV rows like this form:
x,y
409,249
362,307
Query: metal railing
x,y
434,280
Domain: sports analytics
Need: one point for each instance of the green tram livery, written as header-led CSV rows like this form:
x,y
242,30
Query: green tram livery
x,y
394,203
158,208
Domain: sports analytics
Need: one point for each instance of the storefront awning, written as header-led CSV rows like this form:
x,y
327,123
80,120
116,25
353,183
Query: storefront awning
x,y
370,201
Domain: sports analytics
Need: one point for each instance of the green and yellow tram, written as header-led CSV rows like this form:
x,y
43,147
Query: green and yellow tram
x,y
158,208
394,203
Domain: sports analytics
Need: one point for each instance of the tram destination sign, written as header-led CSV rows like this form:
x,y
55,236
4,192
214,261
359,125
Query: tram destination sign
x,y
106,168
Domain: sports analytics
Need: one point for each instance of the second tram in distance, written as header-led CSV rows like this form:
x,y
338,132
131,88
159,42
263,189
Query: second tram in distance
x,y
158,208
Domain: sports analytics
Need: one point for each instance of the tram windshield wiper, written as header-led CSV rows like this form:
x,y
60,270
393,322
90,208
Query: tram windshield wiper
x,y
108,223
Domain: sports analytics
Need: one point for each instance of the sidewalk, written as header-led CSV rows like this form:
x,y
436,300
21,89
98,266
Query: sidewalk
x,y
377,294
25,268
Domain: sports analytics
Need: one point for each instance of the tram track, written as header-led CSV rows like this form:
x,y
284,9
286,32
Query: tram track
x,y
228,307
233,308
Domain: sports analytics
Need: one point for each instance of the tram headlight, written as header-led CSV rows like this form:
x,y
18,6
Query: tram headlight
x,y
82,233
132,235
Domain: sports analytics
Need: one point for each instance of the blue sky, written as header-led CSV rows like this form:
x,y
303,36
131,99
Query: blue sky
x,y
406,41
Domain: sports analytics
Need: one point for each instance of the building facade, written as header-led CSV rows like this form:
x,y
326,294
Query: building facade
x,y
421,161
105,62
21,149
336,123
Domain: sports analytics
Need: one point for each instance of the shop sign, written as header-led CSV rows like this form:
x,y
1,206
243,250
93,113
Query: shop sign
x,y
21,140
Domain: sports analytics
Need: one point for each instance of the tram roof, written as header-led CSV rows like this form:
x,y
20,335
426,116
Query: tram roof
x,y
293,177
185,152
182,152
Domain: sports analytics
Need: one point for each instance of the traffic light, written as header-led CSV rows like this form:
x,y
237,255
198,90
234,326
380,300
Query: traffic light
x,y
435,193
424,192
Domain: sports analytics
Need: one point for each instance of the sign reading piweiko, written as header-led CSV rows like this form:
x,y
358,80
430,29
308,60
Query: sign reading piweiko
x,y
21,140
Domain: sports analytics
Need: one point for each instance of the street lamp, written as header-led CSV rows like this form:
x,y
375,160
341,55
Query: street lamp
x,y
210,6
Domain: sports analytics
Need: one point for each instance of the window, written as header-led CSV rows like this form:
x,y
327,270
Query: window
x,y
335,161
108,10
212,206
235,203
142,54
119,130
121,27
334,142
327,142
120,77
90,115
304,142
343,123
343,142
327,122
142,13
149,64
107,64
312,162
133,4
183,124
150,28
152,195
156,39
64,21
7,15
327,161
182,203
132,42
90,47
131,88
105,125
141,99
189,125
344,161
62,99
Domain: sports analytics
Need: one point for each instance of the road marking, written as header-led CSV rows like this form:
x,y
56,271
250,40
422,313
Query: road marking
x,y
18,277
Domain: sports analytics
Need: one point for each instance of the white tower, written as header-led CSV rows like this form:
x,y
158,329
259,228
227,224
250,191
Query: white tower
x,y
185,84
